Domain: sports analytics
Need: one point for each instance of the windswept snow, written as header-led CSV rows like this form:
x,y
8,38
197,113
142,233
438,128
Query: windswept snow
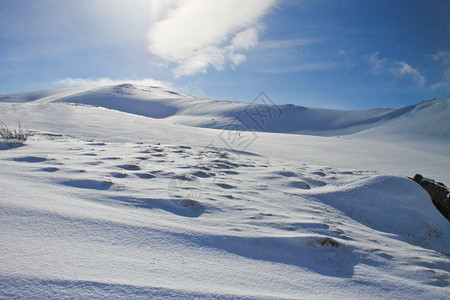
x,y
115,196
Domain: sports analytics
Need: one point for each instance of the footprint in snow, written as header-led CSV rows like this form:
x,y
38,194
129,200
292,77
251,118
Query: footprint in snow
x,y
88,184
203,174
118,175
230,172
159,155
157,149
225,185
94,163
299,185
145,175
49,169
130,167
96,144
314,182
30,159
224,164
180,151
319,173
162,173
89,154
286,173
381,253
141,157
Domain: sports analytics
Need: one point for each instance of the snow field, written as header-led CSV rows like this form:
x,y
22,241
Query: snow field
x,y
97,215
120,194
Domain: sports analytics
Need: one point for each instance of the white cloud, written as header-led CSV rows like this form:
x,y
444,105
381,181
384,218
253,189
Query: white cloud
x,y
246,39
444,84
398,69
401,69
204,33
86,82
377,64
443,58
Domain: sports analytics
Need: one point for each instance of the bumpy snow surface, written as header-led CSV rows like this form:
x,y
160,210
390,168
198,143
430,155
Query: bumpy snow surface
x,y
118,195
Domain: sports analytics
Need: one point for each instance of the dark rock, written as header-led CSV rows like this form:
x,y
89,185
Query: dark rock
x,y
328,242
439,193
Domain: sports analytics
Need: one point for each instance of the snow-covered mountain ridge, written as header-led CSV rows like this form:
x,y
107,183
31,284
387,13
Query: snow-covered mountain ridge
x,y
427,118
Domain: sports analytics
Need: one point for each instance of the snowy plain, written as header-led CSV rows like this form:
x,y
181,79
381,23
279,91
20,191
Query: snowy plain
x,y
134,191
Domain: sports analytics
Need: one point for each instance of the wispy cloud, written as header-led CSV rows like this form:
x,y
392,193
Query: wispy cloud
x,y
402,69
377,64
306,66
287,44
86,82
444,84
443,58
208,33
398,69
294,55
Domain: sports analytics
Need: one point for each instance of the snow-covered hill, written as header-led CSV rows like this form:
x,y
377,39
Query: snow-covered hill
x,y
136,192
428,118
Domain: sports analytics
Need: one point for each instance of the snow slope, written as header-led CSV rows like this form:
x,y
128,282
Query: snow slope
x,y
403,142
123,200
428,118
425,125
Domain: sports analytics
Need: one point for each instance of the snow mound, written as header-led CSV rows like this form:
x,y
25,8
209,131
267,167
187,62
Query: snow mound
x,y
395,205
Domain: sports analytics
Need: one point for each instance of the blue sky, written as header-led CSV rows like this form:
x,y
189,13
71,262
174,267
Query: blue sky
x,y
322,53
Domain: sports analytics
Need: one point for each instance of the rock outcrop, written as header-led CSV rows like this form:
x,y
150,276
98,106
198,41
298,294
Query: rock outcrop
x,y
439,193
